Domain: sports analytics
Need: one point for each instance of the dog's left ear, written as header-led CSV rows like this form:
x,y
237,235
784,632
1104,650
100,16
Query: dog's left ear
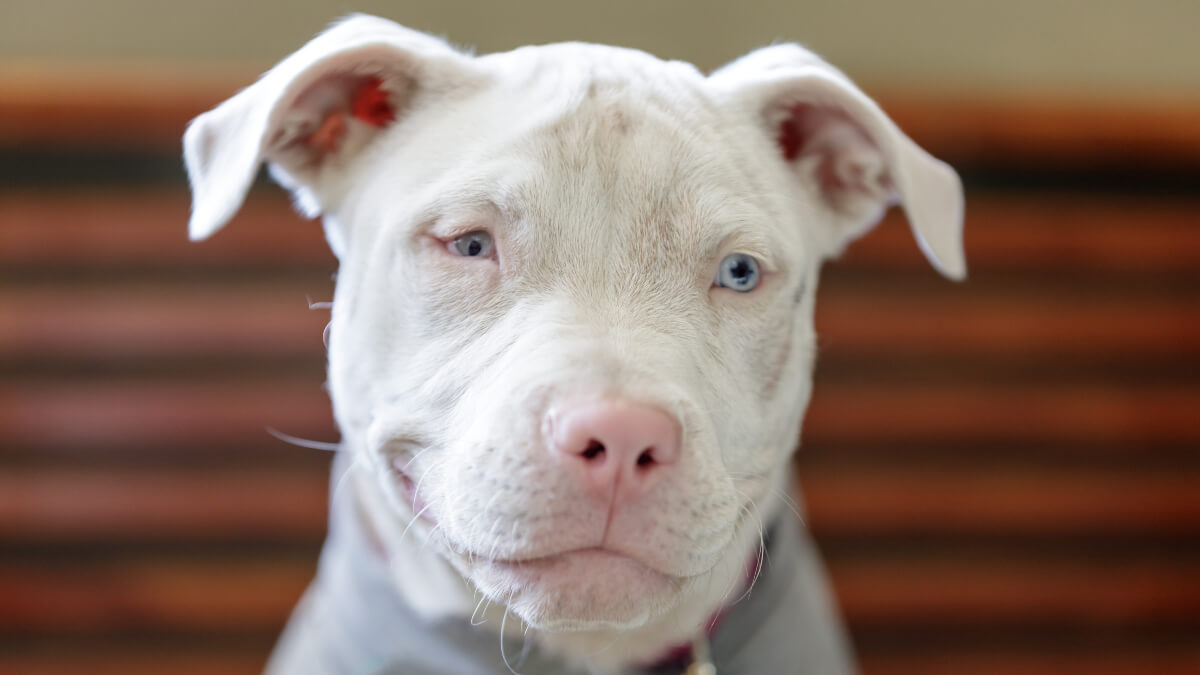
x,y
312,114
834,137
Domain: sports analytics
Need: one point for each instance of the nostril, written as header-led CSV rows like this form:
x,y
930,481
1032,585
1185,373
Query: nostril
x,y
593,450
646,458
612,444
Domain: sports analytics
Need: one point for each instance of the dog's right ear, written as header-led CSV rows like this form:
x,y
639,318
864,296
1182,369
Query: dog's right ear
x,y
832,136
311,115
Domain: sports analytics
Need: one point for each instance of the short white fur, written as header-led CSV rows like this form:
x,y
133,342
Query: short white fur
x,y
613,184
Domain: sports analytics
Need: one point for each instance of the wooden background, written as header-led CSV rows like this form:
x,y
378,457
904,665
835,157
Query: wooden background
x,y
1003,474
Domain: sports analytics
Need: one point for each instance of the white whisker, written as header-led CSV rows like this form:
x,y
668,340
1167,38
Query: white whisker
x,y
791,503
317,305
751,509
303,442
758,567
355,463
479,604
733,584
435,532
412,459
526,646
412,522
417,487
504,657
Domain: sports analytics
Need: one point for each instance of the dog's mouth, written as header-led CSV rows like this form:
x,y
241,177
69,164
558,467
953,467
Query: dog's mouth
x,y
581,589
562,579
599,556
408,490
574,589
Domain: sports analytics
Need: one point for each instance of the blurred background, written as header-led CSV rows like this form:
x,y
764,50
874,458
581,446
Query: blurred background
x,y
1003,474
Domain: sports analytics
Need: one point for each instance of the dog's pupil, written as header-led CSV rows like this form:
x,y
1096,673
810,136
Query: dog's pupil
x,y
739,271
474,247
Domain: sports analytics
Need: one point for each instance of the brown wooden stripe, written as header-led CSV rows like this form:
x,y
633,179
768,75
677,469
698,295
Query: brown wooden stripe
x,y
114,414
131,107
988,413
70,659
149,107
946,590
162,595
148,322
1111,659
978,499
230,595
56,504
1106,659
147,227
1051,232
197,319
1001,323
1045,132
193,413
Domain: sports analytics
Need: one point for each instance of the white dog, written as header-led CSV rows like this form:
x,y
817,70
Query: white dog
x,y
572,341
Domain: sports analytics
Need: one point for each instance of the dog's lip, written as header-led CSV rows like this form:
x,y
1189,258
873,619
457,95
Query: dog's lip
x,y
596,551
597,555
544,557
596,558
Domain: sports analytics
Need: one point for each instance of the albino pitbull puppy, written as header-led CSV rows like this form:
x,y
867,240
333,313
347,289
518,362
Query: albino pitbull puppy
x,y
572,342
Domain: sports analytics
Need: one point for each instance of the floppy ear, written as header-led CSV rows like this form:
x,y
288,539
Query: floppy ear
x,y
311,114
837,139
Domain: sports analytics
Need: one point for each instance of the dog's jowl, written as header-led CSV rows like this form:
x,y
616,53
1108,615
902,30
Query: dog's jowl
x,y
572,342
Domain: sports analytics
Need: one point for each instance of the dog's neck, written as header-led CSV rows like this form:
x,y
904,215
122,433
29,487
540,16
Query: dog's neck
x,y
429,584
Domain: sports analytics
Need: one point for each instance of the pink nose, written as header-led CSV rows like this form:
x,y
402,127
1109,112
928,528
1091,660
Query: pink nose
x,y
619,449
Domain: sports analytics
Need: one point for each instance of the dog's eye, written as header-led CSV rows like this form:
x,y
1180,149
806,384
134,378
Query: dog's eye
x,y
738,272
477,244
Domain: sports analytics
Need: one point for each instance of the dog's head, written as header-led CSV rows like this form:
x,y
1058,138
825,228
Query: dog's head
x,y
572,334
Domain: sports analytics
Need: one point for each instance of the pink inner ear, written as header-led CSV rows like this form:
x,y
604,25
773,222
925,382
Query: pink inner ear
x,y
368,104
328,137
802,130
833,137
789,139
371,104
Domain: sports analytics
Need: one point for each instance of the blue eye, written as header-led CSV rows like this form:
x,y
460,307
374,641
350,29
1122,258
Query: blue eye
x,y
475,244
738,272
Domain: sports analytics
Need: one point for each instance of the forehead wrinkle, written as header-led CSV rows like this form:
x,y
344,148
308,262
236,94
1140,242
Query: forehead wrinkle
x,y
631,190
608,253
456,192
734,223
638,219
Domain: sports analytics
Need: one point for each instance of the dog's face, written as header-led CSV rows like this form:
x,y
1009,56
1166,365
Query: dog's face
x,y
572,336
599,296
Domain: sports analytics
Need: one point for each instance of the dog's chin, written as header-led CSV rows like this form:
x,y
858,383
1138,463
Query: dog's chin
x,y
583,590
